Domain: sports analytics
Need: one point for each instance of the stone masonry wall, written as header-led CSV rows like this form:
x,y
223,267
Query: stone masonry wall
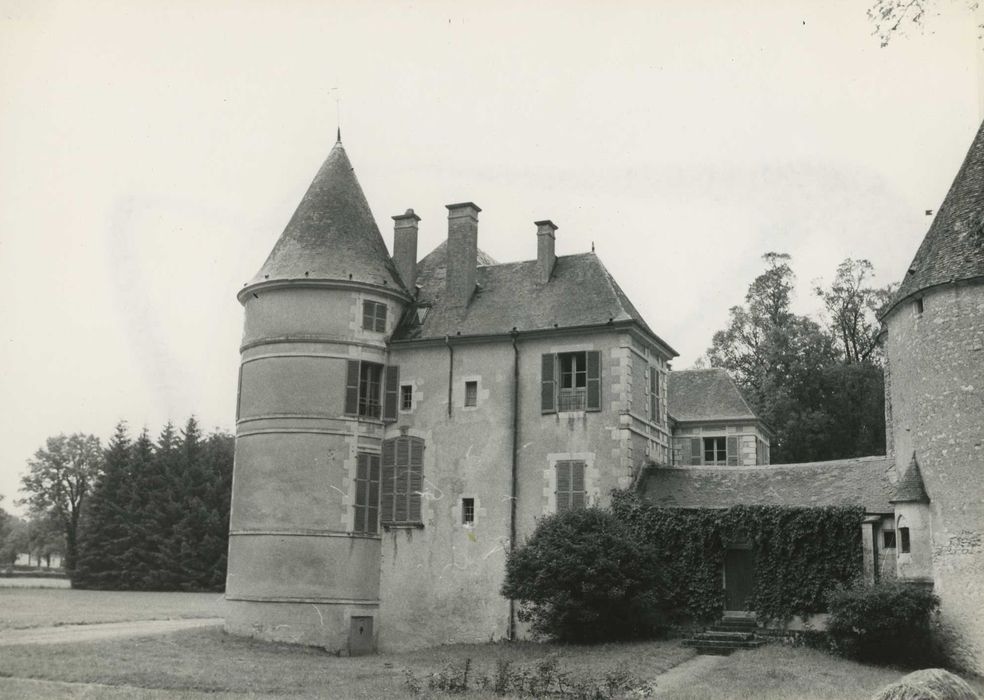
x,y
936,397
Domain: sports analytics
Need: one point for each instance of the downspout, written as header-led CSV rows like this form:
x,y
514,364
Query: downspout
x,y
447,341
514,487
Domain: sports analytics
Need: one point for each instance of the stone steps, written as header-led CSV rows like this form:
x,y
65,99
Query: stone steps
x,y
725,636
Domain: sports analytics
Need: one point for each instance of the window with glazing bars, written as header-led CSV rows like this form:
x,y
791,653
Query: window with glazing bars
x,y
374,316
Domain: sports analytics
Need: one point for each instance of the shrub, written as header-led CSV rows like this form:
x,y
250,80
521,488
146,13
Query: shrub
x,y
887,623
583,577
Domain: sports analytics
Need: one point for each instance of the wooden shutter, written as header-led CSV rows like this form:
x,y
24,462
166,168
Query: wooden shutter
x,y
380,321
367,315
361,491
372,505
415,479
563,486
352,388
388,485
391,397
548,384
653,402
695,450
577,485
594,380
733,455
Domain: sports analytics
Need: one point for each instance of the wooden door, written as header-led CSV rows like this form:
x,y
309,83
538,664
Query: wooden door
x,y
739,578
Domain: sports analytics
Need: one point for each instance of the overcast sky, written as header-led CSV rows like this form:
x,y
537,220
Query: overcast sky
x,y
152,152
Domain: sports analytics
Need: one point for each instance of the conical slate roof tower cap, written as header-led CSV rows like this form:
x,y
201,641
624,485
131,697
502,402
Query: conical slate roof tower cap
x,y
332,235
953,249
911,488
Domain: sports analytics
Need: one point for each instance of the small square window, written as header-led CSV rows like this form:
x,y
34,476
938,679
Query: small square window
x,y
374,316
904,539
471,393
888,537
406,397
468,511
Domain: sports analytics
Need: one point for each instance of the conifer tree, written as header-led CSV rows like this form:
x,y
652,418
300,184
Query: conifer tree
x,y
105,527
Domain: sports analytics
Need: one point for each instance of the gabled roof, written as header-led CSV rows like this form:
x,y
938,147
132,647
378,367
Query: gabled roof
x,y
861,481
910,488
953,248
332,234
705,395
581,292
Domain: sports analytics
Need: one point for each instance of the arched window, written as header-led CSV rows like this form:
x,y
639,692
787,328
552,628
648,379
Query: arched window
x,y
403,480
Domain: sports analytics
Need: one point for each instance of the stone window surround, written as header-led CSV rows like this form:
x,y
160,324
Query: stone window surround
x,y
592,494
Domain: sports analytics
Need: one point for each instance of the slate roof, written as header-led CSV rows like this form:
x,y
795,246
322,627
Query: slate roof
x,y
332,234
581,292
910,488
704,395
863,481
953,248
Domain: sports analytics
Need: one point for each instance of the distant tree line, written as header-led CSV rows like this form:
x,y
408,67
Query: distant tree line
x,y
139,514
818,385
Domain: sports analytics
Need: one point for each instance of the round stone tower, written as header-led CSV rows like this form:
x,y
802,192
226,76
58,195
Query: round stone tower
x,y
303,534
935,407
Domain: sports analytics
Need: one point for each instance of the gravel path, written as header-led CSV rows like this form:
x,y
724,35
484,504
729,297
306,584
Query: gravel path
x,y
675,682
109,630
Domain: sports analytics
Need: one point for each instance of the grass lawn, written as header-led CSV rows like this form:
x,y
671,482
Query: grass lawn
x,y
38,607
209,663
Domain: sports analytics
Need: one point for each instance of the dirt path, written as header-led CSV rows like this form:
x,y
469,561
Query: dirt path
x,y
110,630
675,682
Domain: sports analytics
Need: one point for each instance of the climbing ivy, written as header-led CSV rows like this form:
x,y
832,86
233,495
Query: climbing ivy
x,y
801,553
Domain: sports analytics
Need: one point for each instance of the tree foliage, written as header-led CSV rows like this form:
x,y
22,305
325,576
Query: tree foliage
x,y
582,577
820,388
60,478
886,623
159,516
801,554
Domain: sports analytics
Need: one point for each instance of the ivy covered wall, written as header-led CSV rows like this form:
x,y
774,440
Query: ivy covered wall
x,y
801,553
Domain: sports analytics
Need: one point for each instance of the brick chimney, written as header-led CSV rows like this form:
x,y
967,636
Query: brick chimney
x,y
462,252
405,247
545,255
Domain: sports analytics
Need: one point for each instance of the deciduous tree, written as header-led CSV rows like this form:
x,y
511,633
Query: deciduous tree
x,y
60,479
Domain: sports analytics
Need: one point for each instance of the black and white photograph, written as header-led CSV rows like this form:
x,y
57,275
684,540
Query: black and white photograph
x,y
565,350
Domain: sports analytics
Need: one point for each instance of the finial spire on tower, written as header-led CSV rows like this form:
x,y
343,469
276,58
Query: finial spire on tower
x,y
338,137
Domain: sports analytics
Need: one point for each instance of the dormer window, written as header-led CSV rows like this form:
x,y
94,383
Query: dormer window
x,y
374,316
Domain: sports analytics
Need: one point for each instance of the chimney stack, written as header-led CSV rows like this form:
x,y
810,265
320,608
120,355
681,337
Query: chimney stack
x,y
545,255
462,252
405,247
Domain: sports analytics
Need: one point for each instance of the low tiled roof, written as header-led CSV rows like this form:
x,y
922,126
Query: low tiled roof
x,y
332,234
910,488
705,394
953,248
861,481
581,292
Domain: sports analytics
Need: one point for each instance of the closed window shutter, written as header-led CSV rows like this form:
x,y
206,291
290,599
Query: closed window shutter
x,y
652,395
392,396
733,451
380,321
594,380
361,491
577,485
372,506
388,486
695,450
416,478
352,388
548,385
402,488
563,486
